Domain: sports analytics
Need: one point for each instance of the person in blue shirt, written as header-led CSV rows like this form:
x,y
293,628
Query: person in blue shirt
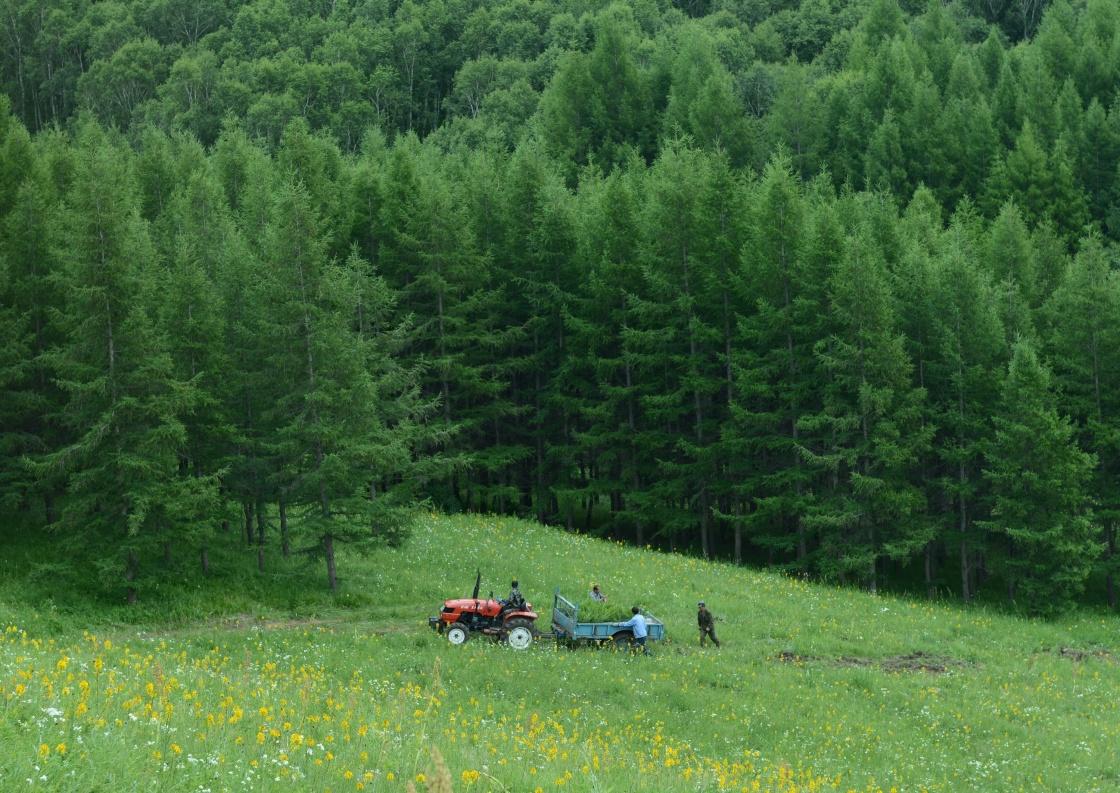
x,y
637,624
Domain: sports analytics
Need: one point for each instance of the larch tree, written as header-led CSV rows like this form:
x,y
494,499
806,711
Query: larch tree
x,y
125,405
774,366
1083,318
1040,481
337,396
30,299
964,376
870,425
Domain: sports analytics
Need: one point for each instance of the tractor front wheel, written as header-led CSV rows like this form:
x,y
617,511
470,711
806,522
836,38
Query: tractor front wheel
x,y
519,633
457,634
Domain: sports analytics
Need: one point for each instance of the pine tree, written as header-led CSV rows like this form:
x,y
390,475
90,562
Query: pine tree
x,y
1039,479
1010,256
597,107
884,163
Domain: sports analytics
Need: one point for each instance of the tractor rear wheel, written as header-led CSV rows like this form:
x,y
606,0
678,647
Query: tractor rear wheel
x,y
457,634
519,633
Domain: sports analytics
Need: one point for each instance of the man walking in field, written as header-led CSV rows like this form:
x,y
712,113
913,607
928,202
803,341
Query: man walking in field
x,y
707,624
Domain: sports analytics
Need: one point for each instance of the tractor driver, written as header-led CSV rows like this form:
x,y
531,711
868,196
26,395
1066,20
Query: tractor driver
x,y
515,599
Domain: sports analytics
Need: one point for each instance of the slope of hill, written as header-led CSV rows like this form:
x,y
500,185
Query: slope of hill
x,y
815,688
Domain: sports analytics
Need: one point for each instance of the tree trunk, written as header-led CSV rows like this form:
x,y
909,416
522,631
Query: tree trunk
x,y
966,591
537,387
873,567
639,525
262,516
204,558
931,590
1010,581
328,548
249,523
130,572
49,509
705,535
1109,580
285,539
738,543
225,525
167,552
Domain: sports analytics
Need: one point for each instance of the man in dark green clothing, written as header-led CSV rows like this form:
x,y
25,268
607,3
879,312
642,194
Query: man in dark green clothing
x,y
707,624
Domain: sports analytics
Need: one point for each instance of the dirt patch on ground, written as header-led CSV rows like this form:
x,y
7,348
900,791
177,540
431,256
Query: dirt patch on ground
x,y
1080,655
910,662
920,662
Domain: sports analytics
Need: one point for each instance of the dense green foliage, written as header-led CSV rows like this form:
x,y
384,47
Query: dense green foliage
x,y
732,277
268,682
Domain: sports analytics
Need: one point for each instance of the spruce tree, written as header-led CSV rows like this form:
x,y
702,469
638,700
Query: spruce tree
x,y
683,338
206,253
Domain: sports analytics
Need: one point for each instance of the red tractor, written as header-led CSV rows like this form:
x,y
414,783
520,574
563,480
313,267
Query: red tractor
x,y
512,623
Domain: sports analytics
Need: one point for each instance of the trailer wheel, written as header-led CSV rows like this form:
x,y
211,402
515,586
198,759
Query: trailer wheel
x,y
519,633
457,634
622,640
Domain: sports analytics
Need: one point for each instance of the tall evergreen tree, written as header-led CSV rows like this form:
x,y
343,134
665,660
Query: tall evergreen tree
x,y
775,366
963,383
684,339
1039,479
125,405
30,302
1083,318
332,420
870,425
616,442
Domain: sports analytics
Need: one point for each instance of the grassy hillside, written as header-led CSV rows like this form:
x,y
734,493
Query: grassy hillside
x,y
815,688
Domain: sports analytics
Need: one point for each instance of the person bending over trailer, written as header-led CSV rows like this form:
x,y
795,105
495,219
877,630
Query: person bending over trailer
x,y
637,624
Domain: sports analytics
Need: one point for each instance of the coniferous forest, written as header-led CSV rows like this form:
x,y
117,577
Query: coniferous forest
x,y
827,286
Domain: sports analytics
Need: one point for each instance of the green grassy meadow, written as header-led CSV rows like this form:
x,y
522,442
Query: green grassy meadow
x,y
265,682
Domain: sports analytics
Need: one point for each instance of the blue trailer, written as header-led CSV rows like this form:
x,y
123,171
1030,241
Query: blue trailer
x,y
568,629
